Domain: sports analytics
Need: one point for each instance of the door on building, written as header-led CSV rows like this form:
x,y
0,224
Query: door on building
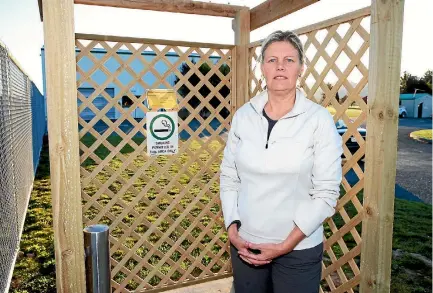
x,y
420,106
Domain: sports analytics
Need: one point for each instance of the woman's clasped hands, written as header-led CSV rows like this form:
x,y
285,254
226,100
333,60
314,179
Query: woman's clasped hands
x,y
256,254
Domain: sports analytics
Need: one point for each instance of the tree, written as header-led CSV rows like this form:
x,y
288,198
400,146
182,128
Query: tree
x,y
427,78
204,91
409,83
404,81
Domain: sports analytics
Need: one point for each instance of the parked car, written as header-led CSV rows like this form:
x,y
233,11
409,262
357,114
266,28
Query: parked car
x,y
351,143
402,112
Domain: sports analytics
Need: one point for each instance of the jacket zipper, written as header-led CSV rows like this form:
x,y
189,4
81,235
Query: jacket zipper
x,y
267,140
266,132
263,119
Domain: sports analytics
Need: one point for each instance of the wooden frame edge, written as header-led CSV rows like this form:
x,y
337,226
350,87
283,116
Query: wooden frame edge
x,y
179,6
366,11
108,38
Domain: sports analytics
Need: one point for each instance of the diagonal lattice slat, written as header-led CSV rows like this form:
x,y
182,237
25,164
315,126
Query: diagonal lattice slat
x,y
164,212
326,79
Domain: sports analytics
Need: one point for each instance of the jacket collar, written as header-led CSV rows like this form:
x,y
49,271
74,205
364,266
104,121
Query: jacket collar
x,y
258,103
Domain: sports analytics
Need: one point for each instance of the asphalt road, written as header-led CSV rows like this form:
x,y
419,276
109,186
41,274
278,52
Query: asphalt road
x,y
414,163
414,160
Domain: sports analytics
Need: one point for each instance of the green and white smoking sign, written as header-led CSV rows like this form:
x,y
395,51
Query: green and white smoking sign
x,y
162,133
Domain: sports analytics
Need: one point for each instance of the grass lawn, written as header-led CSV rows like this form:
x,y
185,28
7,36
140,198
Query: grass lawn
x,y
35,272
412,234
35,269
424,134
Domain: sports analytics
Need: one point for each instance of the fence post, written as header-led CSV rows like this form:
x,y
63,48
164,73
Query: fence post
x,y
241,27
97,248
63,137
381,153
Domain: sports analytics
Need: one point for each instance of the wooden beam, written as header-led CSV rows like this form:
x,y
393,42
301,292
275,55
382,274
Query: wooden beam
x,y
177,6
241,26
105,38
60,67
386,32
271,10
326,23
333,21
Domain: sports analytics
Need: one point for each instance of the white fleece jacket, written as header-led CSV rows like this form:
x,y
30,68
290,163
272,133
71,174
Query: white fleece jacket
x,y
294,181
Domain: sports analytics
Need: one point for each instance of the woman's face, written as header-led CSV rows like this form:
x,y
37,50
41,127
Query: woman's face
x,y
281,66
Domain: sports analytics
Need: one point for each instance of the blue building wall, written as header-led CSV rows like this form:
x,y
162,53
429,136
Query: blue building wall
x,y
39,123
113,88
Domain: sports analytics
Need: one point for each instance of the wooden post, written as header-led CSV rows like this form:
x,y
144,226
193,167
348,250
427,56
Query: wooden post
x,y
241,26
382,124
60,67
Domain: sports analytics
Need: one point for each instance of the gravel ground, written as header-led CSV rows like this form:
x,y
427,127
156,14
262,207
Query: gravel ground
x,y
219,286
414,162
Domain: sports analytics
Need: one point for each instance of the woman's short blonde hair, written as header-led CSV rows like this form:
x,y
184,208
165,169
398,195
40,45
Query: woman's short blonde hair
x,y
283,36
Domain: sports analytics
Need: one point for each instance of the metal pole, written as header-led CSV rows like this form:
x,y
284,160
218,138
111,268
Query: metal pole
x,y
97,249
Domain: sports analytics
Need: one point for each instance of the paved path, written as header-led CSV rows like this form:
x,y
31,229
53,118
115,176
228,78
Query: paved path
x,y
414,164
400,192
219,286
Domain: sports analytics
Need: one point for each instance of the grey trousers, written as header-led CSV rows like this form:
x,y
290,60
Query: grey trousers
x,y
296,272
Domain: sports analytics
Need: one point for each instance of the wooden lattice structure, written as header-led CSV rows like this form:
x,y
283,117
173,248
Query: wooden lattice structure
x,y
166,227
341,260
166,222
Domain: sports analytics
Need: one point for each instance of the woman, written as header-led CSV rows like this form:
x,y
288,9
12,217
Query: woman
x,y
280,179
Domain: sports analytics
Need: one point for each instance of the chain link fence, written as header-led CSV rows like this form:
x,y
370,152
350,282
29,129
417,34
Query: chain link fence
x,y
22,127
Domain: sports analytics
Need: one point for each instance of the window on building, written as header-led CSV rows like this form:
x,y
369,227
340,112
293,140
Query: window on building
x,y
126,102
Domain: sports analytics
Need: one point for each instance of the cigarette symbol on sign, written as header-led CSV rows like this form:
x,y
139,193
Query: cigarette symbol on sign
x,y
162,127
167,127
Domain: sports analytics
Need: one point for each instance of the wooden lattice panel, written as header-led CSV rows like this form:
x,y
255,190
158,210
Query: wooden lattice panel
x,y
337,62
164,213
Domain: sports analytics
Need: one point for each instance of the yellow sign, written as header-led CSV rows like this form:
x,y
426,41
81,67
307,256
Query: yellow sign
x,y
161,98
